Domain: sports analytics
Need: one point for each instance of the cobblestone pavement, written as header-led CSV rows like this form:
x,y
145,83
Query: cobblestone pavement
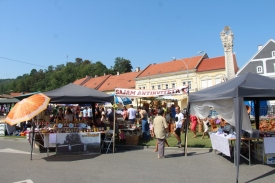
x,y
126,165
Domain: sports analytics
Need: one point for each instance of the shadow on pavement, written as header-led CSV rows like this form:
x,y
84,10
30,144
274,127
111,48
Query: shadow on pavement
x,y
199,153
70,157
272,172
174,155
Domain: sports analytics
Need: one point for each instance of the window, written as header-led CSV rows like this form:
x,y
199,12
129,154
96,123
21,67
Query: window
x,y
153,87
273,53
218,80
139,88
143,87
259,69
206,83
190,85
166,86
159,87
187,83
173,85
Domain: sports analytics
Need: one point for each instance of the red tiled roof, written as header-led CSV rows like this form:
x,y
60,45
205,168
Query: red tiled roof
x,y
171,66
95,83
126,80
79,81
18,94
215,64
211,64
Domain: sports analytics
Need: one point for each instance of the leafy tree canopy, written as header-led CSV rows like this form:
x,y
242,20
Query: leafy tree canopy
x,y
56,76
122,65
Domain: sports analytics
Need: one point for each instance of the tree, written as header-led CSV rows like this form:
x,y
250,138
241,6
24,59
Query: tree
x,y
78,61
99,68
33,72
122,65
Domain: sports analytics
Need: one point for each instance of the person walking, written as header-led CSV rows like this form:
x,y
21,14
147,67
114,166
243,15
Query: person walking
x,y
206,127
160,128
178,126
194,122
145,124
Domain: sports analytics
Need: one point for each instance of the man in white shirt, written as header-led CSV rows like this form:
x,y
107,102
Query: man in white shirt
x,y
179,124
109,110
85,114
131,113
90,113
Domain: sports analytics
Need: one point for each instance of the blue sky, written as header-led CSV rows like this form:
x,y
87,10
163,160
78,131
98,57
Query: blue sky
x,y
44,32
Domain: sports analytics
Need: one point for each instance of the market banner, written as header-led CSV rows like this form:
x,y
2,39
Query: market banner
x,y
150,93
78,143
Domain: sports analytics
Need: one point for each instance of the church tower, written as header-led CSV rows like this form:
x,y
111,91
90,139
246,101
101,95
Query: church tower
x,y
227,41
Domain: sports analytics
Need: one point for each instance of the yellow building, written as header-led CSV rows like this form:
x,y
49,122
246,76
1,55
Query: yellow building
x,y
196,72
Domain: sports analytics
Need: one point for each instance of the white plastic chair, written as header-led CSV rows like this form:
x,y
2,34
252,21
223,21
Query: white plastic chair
x,y
108,140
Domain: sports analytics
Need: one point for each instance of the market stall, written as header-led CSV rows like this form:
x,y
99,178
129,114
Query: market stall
x,y
72,137
228,100
150,95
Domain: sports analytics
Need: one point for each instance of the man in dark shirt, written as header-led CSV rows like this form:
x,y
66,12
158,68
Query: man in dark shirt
x,y
111,118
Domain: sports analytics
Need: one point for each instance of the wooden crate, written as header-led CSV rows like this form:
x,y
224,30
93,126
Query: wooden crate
x,y
132,140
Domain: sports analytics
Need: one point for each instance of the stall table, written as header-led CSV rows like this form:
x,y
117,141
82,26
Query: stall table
x,y
222,144
70,143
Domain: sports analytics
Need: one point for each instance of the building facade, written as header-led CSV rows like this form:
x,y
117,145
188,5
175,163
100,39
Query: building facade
x,y
262,62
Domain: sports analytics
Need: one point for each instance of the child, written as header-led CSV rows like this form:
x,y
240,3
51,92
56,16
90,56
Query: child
x,y
206,127
122,137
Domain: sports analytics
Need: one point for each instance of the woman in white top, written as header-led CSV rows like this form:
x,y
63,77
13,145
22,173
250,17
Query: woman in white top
x,y
103,116
69,115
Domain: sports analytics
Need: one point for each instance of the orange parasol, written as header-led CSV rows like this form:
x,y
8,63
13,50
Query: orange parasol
x,y
27,108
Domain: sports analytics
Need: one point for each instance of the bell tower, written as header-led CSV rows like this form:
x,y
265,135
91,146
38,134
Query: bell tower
x,y
227,41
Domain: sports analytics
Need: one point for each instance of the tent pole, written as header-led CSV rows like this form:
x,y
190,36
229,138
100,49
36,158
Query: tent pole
x,y
93,111
257,112
238,113
186,124
186,130
114,130
33,135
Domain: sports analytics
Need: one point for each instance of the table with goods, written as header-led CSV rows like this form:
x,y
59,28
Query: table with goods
x,y
264,150
258,145
68,137
129,133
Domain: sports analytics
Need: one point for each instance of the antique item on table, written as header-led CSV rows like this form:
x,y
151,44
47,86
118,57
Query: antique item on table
x,y
71,125
59,125
264,125
272,125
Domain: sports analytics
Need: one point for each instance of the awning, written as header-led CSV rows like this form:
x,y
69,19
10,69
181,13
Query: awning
x,y
8,101
20,97
171,97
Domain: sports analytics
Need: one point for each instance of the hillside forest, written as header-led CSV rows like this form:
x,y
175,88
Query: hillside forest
x,y
60,75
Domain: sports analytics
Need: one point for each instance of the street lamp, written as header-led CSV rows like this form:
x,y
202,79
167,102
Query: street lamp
x,y
187,111
187,66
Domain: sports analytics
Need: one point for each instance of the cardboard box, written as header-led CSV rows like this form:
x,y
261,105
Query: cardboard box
x,y
270,159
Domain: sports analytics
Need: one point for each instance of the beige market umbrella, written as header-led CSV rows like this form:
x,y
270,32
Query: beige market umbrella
x,y
27,108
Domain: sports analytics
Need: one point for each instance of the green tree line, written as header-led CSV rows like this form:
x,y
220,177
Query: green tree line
x,y
60,75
